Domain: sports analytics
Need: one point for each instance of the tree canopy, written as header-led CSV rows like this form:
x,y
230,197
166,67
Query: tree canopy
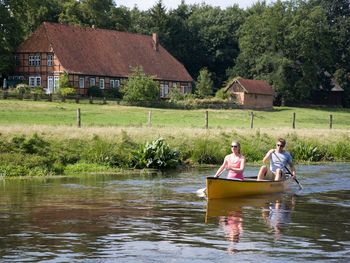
x,y
291,43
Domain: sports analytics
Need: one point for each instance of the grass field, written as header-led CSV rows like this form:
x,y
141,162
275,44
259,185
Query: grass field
x,y
17,112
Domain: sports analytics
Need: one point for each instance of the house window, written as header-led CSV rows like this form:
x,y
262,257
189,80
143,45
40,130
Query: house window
x,y
34,81
102,83
81,82
164,90
34,60
56,82
92,82
115,83
50,60
185,89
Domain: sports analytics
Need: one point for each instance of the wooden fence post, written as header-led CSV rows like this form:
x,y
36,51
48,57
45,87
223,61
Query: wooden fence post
x,y
251,120
150,119
293,124
206,120
330,121
78,118
4,94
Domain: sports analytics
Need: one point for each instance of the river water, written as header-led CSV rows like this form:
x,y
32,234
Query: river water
x,y
159,218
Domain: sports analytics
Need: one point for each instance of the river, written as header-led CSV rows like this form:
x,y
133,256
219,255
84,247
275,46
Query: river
x,y
159,218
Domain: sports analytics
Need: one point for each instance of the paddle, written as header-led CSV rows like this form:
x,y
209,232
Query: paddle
x,y
285,167
201,191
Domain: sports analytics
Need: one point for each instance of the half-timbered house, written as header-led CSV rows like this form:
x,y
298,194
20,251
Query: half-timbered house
x,y
95,57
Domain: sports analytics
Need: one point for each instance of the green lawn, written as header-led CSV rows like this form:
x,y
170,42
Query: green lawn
x,y
112,114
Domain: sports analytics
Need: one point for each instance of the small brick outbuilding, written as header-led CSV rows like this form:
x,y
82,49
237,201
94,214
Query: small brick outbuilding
x,y
253,94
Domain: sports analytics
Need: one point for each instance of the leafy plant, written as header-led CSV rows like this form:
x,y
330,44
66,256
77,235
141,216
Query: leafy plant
x,y
156,154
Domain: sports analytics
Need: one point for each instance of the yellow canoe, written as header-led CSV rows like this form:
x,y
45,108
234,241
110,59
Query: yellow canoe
x,y
226,188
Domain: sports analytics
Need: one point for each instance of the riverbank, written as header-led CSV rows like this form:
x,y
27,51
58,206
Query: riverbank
x,y
41,150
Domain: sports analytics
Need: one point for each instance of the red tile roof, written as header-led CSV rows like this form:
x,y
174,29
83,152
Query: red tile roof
x,y
103,52
256,86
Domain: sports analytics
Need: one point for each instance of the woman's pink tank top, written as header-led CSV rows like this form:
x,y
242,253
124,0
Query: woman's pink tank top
x,y
235,164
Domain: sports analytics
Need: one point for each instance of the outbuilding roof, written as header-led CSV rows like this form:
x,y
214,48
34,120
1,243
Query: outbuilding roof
x,y
90,51
253,86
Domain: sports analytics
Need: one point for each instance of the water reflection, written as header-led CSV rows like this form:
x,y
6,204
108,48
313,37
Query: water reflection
x,y
233,228
278,214
275,213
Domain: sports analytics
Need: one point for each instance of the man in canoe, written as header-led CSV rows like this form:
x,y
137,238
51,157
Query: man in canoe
x,y
234,163
279,159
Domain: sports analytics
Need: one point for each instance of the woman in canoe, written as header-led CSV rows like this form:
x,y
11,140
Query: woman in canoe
x,y
234,163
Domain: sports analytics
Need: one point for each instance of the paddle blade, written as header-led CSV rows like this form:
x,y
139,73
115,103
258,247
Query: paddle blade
x,y
201,192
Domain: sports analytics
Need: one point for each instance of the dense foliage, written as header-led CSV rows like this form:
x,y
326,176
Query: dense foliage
x,y
140,87
295,44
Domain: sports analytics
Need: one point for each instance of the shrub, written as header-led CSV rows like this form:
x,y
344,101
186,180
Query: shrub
x,y
221,94
140,87
66,91
33,145
22,89
94,91
112,93
204,84
176,95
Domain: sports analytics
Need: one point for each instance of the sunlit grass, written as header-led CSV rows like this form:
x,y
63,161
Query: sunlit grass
x,y
14,112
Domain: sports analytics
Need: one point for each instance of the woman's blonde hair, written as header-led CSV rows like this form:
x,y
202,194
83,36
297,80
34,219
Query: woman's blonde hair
x,y
238,145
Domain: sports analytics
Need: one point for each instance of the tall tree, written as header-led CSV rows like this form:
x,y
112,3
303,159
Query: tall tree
x,y
71,13
288,45
97,12
31,13
204,84
10,37
215,36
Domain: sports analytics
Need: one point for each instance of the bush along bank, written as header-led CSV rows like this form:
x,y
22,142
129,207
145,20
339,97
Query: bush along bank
x,y
39,156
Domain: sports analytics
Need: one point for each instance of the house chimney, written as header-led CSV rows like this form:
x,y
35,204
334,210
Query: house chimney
x,y
155,41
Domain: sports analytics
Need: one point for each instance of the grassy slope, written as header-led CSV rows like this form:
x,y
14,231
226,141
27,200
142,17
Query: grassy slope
x,y
16,112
